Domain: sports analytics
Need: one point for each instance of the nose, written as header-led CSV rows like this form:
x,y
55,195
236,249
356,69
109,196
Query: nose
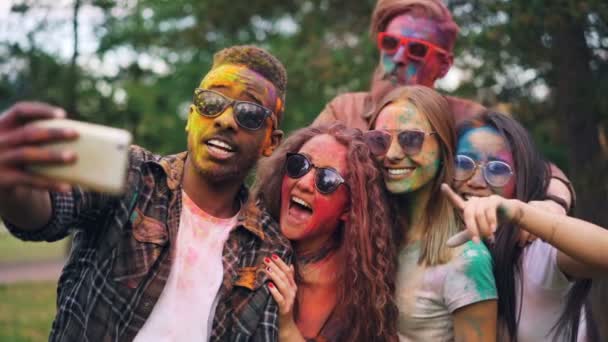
x,y
306,183
477,181
226,120
400,55
395,152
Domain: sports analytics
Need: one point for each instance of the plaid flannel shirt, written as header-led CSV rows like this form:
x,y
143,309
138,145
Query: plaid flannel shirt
x,y
122,254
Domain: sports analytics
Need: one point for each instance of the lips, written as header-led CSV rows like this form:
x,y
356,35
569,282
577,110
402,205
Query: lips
x,y
219,148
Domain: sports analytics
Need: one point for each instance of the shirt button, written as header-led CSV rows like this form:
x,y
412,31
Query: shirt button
x,y
147,304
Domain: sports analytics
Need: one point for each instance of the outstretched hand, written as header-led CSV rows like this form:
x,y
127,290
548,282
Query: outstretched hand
x,y
481,215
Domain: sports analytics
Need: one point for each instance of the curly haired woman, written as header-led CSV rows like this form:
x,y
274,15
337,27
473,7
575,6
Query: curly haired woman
x,y
323,186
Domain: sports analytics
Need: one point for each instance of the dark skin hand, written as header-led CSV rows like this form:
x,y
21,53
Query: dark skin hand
x,y
20,145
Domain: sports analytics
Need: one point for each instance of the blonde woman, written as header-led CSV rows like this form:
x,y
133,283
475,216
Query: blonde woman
x,y
443,294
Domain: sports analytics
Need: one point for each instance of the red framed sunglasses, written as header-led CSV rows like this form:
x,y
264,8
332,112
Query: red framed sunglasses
x,y
416,49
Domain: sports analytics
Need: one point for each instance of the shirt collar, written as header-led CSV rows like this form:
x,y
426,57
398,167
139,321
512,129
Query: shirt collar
x,y
252,215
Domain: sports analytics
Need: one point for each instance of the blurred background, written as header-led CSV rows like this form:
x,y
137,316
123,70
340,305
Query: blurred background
x,y
134,64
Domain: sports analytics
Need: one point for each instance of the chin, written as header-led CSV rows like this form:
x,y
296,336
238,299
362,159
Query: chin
x,y
219,174
289,233
402,187
397,189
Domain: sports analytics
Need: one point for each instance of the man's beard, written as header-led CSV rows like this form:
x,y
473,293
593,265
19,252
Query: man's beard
x,y
230,173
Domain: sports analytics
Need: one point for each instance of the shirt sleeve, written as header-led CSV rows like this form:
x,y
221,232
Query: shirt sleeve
x,y
69,210
327,115
470,278
540,267
74,209
268,330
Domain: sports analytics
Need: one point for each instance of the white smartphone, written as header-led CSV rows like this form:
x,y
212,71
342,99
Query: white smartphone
x,y
103,156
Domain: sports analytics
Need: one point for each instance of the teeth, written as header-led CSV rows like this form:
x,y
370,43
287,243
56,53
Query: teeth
x,y
220,144
301,202
398,172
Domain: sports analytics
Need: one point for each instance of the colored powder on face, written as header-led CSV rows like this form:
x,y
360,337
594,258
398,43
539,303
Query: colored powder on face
x,y
242,79
388,65
484,144
402,115
406,70
412,71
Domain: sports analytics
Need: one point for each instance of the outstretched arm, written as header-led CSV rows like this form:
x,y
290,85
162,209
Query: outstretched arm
x,y
583,246
22,192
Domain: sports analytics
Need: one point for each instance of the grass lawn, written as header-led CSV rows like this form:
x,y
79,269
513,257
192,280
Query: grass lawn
x,y
14,250
26,311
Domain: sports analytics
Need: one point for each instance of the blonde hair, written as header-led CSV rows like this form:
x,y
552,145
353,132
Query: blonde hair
x,y
440,216
435,10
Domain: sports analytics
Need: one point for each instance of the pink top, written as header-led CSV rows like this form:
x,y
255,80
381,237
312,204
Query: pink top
x,y
185,309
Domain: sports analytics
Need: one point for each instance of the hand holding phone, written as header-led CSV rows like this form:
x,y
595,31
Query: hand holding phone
x,y
20,145
101,156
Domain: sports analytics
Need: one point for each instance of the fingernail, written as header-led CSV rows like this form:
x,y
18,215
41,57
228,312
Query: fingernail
x,y
266,260
275,257
476,239
59,113
67,155
268,269
271,285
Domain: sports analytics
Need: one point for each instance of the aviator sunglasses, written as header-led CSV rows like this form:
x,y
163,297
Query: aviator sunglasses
x,y
411,141
495,172
248,115
416,49
327,180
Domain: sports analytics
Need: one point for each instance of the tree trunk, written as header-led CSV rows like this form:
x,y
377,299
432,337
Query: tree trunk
x,y
72,84
575,107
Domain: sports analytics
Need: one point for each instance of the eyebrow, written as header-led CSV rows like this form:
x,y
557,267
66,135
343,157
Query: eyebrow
x,y
468,153
306,155
492,158
247,92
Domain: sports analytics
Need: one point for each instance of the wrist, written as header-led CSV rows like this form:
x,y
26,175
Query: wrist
x,y
287,326
516,207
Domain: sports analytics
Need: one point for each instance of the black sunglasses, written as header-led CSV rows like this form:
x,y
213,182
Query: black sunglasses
x,y
248,115
411,141
327,180
495,172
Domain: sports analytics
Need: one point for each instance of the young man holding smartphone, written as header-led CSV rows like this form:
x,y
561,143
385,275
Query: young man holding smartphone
x,y
177,256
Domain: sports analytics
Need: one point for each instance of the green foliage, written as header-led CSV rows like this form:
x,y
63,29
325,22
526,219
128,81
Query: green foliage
x,y
13,250
507,46
27,311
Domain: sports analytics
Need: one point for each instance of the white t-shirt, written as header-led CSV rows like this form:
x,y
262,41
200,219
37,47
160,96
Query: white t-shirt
x,y
545,290
186,307
428,296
